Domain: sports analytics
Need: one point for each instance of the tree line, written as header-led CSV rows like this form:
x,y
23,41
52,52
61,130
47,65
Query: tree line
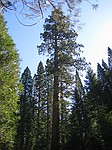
x,y
85,112
54,110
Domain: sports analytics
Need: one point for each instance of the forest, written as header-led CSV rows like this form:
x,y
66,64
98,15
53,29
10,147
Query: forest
x,y
56,108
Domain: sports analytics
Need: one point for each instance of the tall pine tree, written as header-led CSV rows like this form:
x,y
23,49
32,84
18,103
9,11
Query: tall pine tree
x,y
41,101
105,79
94,107
59,41
26,125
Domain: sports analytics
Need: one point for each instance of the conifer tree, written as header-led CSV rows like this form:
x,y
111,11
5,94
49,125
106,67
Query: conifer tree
x,y
9,88
59,41
78,129
94,109
105,76
105,79
26,124
39,84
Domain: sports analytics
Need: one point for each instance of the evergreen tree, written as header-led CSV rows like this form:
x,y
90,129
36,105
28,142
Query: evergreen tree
x,y
105,78
9,88
78,128
26,124
94,109
59,41
41,107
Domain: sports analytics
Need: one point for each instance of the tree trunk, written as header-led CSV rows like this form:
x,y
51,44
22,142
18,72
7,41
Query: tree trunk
x,y
48,119
55,121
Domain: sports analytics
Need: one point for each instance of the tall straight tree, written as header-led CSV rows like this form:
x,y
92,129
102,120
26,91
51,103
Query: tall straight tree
x,y
94,109
26,124
39,83
105,79
59,41
9,88
78,115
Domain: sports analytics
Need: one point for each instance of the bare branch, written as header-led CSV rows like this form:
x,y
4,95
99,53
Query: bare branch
x,y
95,6
27,25
51,4
34,8
40,8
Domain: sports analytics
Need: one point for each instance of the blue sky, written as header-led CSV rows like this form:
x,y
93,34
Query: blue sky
x,y
95,35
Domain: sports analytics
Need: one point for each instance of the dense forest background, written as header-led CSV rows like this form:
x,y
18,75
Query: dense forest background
x,y
54,109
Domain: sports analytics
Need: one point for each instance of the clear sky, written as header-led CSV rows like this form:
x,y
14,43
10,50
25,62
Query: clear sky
x,y
95,35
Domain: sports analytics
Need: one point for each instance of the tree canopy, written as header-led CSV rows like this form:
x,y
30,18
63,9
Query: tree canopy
x,y
36,8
